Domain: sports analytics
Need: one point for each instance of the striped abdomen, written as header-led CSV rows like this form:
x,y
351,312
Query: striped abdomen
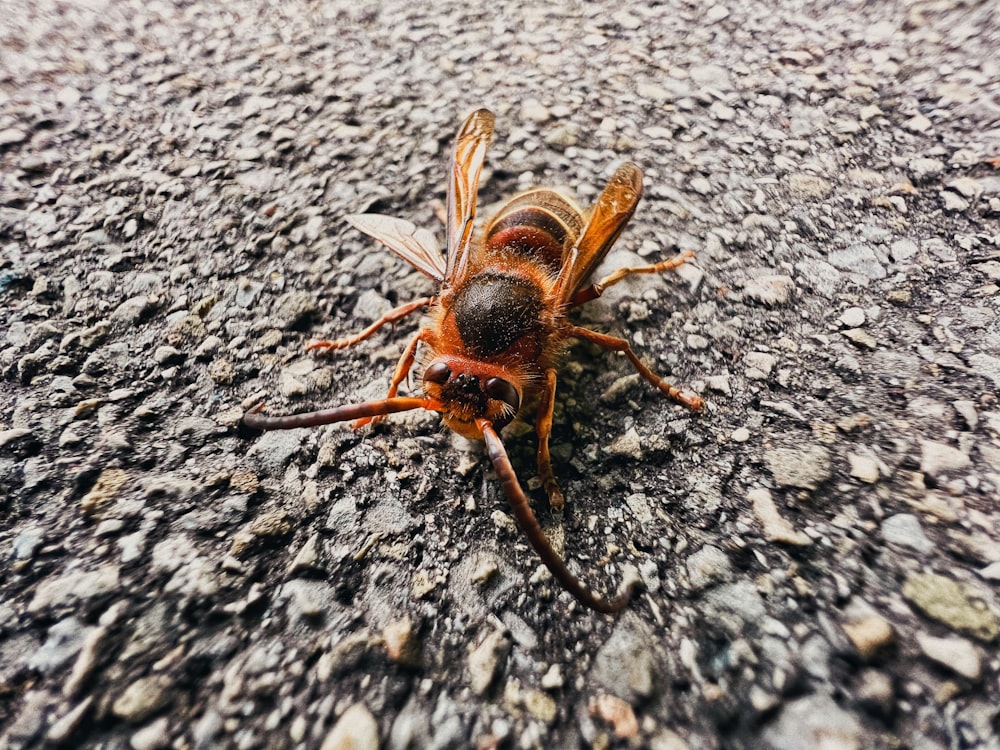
x,y
539,224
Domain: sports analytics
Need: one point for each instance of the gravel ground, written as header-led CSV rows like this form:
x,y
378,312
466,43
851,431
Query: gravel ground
x,y
821,547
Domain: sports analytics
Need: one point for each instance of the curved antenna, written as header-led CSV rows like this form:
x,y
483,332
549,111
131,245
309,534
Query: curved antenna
x,y
529,525
257,421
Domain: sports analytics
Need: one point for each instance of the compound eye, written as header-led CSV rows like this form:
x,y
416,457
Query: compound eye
x,y
503,391
438,373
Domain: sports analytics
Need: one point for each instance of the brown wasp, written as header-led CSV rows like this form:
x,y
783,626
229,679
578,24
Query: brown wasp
x,y
498,324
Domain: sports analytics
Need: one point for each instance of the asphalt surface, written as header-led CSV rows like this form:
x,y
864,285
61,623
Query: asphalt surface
x,y
820,547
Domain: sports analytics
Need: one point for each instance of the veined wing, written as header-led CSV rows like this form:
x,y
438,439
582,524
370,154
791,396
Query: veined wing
x,y
610,215
463,185
415,246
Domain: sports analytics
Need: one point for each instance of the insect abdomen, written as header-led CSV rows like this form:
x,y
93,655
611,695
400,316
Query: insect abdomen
x,y
538,224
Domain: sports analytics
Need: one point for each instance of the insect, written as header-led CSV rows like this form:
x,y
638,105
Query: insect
x,y
496,328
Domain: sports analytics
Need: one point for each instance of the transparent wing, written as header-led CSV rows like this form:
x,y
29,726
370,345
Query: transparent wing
x,y
610,215
463,184
415,246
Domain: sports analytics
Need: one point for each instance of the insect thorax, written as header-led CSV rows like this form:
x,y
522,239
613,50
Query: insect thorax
x,y
494,310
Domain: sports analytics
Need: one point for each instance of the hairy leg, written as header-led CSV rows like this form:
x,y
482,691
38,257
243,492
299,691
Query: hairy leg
x,y
402,370
543,427
390,317
616,344
596,290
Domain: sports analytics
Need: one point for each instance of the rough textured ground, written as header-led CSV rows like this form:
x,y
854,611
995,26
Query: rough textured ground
x,y
821,547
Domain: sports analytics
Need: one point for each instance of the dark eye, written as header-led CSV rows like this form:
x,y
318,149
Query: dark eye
x,y
503,391
438,373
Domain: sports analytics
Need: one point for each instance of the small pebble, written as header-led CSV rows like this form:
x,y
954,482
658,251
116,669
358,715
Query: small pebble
x,y
806,467
153,736
540,705
307,559
938,459
918,124
696,342
720,384
953,202
759,364
708,566
770,290
552,679
955,604
167,355
904,530
628,445
64,727
486,660
991,572
402,645
356,729
10,136
740,435
870,635
860,337
105,489
143,698
776,527
924,170
956,654
903,250
968,187
864,468
808,186
876,691
853,317
486,568
967,410
616,712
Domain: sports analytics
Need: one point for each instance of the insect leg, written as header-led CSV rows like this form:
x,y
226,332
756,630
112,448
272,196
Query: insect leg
x,y
254,420
529,525
543,426
616,344
402,370
390,317
597,289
